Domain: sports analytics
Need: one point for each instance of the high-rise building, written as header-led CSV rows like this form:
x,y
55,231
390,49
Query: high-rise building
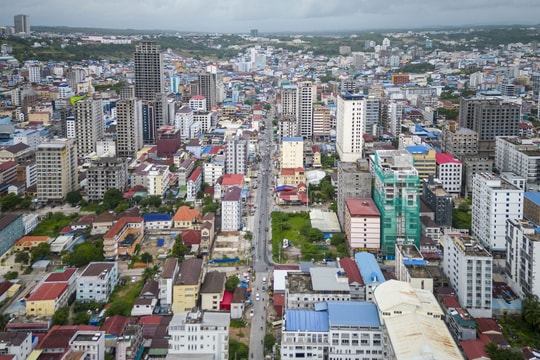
x,y
520,156
236,155
292,153
307,95
89,125
34,73
22,24
208,89
148,71
321,123
128,127
289,101
396,197
523,256
103,174
56,167
494,200
489,117
350,126
469,268
74,76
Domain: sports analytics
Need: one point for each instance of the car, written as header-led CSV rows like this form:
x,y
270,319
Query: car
x,y
257,297
251,313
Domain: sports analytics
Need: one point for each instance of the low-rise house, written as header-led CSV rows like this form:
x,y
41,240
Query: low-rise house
x,y
147,301
212,290
47,299
157,221
103,223
207,232
187,285
89,344
166,282
26,243
193,184
17,344
97,281
187,218
238,303
129,344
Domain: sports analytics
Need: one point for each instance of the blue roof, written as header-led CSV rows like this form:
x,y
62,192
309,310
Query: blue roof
x,y
206,150
157,217
369,269
533,196
417,149
414,262
306,320
297,138
354,313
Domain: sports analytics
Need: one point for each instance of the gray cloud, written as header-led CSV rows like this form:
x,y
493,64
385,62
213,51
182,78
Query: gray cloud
x,y
270,15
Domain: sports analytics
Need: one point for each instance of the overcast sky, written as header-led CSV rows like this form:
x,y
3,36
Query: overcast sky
x,y
270,15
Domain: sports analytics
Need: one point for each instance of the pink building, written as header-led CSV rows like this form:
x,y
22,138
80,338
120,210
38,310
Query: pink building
x,y
362,225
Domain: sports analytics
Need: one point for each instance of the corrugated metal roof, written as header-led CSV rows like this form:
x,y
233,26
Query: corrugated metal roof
x,y
369,269
353,314
306,320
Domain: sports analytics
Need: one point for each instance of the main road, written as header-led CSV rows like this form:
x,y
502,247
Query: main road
x,y
262,258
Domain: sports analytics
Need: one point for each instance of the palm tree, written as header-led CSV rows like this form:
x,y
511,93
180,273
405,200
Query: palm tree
x,y
150,272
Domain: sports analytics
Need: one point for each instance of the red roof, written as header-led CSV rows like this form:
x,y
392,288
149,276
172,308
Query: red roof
x,y
150,320
473,349
48,291
279,299
225,303
58,337
444,158
450,301
198,97
62,276
488,325
351,269
232,179
119,225
115,325
191,237
216,150
195,174
362,207
286,267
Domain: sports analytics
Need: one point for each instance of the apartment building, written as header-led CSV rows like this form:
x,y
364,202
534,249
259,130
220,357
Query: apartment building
x,y
354,181
231,210
362,225
105,173
292,153
97,281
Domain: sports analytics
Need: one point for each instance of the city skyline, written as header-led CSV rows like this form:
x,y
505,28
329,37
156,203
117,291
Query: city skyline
x,y
239,16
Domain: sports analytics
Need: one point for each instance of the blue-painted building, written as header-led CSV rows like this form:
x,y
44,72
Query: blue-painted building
x,y
370,271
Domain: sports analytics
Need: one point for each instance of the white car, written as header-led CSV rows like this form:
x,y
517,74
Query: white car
x,y
251,313
257,297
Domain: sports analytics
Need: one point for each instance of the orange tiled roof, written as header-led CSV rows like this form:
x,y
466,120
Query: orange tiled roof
x,y
185,213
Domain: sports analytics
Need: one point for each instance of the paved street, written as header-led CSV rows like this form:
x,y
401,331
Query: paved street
x,y
262,257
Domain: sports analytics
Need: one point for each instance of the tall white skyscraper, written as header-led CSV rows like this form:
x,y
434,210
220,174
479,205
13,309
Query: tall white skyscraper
x,y
350,126
236,155
307,95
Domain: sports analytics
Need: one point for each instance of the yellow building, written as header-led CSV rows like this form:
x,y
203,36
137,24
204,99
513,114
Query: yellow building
x,y
425,162
187,285
48,298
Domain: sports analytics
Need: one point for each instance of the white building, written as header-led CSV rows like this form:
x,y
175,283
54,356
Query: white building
x,y
89,125
214,169
97,281
468,266
450,172
413,323
333,330
292,153
307,95
356,115
236,155
231,210
18,344
200,333
494,200
90,343
166,282
183,120
204,118
520,156
523,257
197,102
29,137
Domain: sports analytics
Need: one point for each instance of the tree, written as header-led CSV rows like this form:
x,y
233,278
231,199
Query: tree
x,y
495,353
40,252
530,310
74,197
22,257
232,283
119,307
153,200
121,207
61,316
146,257
112,198
150,272
83,254
337,239
269,341
10,201
11,275
179,249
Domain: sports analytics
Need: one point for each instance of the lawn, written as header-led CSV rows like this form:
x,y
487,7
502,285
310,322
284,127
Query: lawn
x,y
296,227
123,297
